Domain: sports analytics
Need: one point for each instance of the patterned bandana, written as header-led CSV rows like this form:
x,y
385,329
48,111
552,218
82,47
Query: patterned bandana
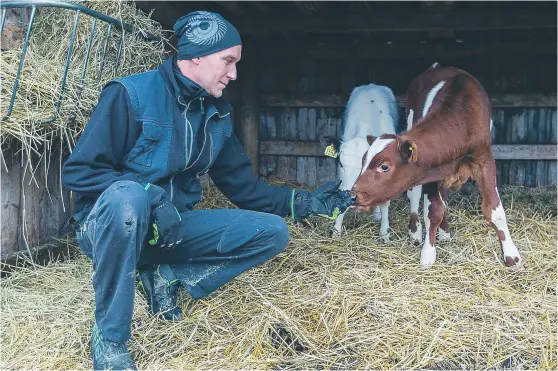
x,y
202,33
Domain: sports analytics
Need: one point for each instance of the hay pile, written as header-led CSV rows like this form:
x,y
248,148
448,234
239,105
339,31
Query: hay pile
x,y
325,304
41,78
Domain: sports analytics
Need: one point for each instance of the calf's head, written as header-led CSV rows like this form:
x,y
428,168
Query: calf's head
x,y
349,155
389,167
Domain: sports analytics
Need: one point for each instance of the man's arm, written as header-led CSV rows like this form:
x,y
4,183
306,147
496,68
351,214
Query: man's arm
x,y
232,174
110,133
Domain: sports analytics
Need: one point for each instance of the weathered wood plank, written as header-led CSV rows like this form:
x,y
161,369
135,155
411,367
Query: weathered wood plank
x,y
336,100
248,115
326,170
415,50
268,165
500,151
287,168
233,7
552,172
284,148
306,171
397,22
524,152
35,206
11,202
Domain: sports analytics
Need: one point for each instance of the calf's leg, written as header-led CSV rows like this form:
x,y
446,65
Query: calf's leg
x,y
338,226
384,224
443,230
376,214
415,227
494,211
433,211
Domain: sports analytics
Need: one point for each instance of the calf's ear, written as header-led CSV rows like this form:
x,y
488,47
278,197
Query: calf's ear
x,y
328,140
371,139
408,150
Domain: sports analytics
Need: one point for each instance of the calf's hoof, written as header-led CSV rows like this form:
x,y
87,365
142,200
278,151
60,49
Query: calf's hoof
x,y
510,253
416,237
335,234
443,235
511,261
427,257
384,238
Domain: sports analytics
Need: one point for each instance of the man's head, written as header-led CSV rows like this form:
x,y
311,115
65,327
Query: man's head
x,y
208,49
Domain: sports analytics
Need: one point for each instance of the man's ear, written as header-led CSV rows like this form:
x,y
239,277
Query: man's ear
x,y
196,60
371,139
408,150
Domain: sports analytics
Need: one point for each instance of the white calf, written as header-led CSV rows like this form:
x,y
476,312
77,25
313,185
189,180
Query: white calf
x,y
371,110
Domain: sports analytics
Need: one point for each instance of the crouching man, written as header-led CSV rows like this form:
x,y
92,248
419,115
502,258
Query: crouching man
x,y
135,172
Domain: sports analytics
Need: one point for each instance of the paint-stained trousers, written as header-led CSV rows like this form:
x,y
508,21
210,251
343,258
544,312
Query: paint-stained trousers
x,y
218,246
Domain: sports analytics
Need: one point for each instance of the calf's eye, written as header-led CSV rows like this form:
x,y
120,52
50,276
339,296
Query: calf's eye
x,y
384,167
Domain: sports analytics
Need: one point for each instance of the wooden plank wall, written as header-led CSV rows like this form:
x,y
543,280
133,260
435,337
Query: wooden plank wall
x,y
499,75
35,208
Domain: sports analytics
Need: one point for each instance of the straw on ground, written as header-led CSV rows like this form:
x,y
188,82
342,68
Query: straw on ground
x,y
326,304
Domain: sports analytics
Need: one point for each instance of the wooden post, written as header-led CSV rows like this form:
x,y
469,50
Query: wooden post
x,y
248,118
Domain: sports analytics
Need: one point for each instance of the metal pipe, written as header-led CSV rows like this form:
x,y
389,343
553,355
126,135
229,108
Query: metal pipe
x,y
20,67
102,66
63,4
65,75
3,20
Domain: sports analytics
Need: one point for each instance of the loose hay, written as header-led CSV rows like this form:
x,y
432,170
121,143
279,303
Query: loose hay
x,y
41,77
325,304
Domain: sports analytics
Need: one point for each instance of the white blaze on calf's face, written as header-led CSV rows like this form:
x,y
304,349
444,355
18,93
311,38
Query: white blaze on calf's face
x,y
350,156
377,146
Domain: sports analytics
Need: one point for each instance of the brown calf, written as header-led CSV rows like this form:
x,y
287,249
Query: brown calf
x,y
447,142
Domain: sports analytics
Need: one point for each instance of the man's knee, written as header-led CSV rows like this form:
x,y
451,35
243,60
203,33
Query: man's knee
x,y
126,203
277,231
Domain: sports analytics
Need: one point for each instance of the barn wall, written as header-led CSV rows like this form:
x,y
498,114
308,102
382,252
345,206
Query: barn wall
x,y
293,75
35,207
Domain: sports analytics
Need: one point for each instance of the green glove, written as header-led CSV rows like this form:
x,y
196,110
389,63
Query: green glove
x,y
327,201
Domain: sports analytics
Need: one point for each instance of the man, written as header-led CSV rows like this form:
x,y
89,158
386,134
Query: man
x,y
135,171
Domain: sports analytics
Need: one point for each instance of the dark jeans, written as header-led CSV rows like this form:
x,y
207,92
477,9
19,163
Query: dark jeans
x,y
218,246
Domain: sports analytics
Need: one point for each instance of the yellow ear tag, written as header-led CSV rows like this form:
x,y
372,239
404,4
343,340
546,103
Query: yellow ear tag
x,y
331,152
413,154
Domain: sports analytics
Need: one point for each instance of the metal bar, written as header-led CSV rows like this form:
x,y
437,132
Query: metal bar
x,y
118,53
88,52
65,75
62,4
20,67
3,20
34,5
102,66
84,69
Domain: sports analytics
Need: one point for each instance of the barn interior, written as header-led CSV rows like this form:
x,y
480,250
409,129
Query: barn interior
x,y
352,303
302,59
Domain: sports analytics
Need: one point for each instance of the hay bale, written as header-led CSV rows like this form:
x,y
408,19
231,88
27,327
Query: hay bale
x,y
40,81
326,304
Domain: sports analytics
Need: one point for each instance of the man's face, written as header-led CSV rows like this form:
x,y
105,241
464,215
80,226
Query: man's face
x,y
215,71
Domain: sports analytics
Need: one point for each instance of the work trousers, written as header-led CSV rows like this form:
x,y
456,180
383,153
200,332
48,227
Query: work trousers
x,y
218,245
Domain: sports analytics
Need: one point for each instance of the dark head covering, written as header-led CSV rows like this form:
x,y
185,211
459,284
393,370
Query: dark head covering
x,y
201,33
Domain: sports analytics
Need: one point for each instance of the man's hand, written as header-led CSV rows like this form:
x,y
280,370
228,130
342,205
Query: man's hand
x,y
327,201
166,223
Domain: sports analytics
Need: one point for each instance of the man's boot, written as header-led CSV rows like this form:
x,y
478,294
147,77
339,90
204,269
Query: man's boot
x,y
161,288
108,355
